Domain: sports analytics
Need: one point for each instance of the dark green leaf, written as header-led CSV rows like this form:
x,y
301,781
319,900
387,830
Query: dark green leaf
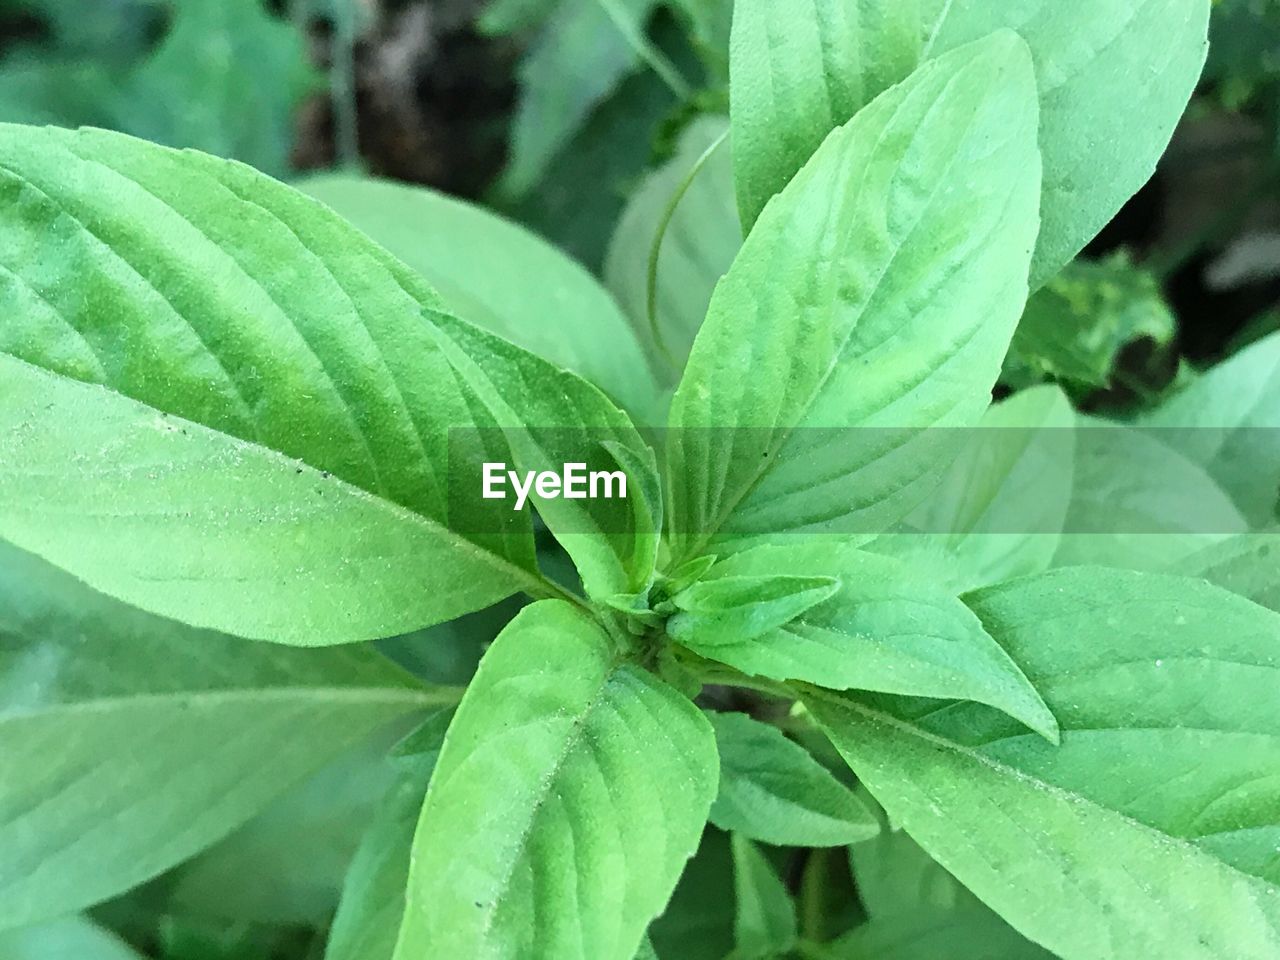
x,y
765,918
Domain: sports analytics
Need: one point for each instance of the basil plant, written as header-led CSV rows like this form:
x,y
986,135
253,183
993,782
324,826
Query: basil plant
x,y
240,441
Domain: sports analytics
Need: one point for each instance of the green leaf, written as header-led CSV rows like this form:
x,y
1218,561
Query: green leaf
x,y
503,17
864,309
1245,564
798,71
194,347
571,789
765,918
739,609
646,951
1114,79
225,80
540,299
584,51
131,743
701,240
918,911
373,897
1151,831
888,629
72,938
550,419
1076,326
1226,422
1001,508
772,790
1140,503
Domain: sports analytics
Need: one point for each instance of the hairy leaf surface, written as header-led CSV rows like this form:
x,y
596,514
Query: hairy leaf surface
x,y
1152,829
500,276
887,629
197,348
874,300
570,792
773,791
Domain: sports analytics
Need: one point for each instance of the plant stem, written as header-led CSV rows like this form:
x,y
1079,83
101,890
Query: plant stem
x,y
342,80
653,58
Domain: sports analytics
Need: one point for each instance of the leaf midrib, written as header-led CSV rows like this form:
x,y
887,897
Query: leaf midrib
x,y
445,696
533,584
1071,797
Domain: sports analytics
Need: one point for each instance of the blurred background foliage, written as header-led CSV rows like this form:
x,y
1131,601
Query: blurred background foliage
x,y
585,120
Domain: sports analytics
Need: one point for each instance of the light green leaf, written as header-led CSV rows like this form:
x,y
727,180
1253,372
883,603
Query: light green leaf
x,y
772,790
550,419
500,276
700,242
738,609
225,80
801,69
1114,79
572,788
1139,503
1226,422
191,343
72,938
888,629
646,951
872,302
1245,564
764,918
373,898
1151,831
584,51
1076,326
128,743
1000,510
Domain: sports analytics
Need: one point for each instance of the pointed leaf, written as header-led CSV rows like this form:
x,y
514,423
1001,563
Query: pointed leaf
x,y
765,918
873,301
570,792
773,791
1151,830
729,610
888,629
196,348
800,69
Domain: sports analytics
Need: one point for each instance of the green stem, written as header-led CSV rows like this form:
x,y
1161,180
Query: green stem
x,y
342,80
655,251
647,52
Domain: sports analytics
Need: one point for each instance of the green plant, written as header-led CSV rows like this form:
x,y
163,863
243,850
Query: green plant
x,y
230,416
